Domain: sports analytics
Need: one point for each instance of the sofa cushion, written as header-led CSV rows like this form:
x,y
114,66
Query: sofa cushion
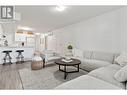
x,y
107,74
49,55
77,53
87,82
121,75
87,54
122,59
98,55
115,56
52,58
91,64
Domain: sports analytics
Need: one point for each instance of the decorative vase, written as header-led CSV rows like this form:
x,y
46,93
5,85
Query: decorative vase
x,y
70,52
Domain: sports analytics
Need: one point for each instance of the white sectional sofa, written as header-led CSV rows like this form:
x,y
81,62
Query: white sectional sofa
x,y
95,59
86,82
107,74
101,67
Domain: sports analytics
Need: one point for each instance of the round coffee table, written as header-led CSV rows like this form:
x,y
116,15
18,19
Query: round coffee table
x,y
75,62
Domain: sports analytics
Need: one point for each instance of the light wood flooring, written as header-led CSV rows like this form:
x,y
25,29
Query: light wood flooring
x,y
10,77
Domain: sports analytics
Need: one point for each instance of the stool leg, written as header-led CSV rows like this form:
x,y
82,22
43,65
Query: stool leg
x,y
9,59
22,58
18,60
4,61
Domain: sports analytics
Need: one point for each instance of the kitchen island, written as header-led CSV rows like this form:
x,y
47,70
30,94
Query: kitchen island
x,y
28,53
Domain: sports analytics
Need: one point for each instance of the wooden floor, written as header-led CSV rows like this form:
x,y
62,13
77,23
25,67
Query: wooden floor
x,y
9,76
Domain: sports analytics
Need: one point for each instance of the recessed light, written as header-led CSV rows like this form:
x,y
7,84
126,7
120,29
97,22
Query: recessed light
x,y
60,8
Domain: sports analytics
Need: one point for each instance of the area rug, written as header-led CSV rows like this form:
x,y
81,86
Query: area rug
x,y
46,78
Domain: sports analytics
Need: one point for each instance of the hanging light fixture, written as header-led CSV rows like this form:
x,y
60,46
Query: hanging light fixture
x,y
60,8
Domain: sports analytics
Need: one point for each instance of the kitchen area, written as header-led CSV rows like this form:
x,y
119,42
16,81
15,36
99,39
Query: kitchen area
x,y
19,35
18,39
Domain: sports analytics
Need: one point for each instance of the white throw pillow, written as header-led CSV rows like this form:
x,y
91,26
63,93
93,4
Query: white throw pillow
x,y
122,59
121,75
78,53
49,55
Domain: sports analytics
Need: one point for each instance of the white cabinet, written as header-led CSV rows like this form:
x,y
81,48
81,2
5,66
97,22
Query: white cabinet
x,y
20,37
28,53
30,41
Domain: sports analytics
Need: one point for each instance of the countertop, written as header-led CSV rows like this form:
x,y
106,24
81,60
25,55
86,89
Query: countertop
x,y
16,47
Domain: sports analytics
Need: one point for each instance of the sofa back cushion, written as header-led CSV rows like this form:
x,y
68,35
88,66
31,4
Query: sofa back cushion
x,y
98,55
49,53
87,54
121,59
77,53
115,56
121,75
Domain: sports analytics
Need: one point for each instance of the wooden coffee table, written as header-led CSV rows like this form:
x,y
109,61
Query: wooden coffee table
x,y
75,62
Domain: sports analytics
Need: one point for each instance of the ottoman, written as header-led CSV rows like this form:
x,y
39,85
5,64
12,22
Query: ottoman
x,y
37,63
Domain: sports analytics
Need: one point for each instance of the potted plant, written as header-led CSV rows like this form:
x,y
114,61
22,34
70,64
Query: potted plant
x,y
70,47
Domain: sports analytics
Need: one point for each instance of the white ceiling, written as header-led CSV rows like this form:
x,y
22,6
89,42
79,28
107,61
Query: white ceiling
x,y
46,18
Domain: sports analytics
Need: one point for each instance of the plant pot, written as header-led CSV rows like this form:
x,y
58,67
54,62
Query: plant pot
x,y
70,52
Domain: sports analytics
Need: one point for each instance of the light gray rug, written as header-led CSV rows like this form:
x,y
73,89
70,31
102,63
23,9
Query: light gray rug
x,y
46,78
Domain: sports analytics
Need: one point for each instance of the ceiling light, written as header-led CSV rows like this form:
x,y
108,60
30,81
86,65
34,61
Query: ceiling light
x,y
60,8
37,33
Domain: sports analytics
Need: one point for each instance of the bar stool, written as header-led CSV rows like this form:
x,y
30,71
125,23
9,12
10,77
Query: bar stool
x,y
7,57
20,57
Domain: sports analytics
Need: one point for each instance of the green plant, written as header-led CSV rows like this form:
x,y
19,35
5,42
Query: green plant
x,y
70,47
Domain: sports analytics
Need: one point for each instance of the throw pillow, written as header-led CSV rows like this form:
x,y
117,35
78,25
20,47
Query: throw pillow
x,y
122,59
121,75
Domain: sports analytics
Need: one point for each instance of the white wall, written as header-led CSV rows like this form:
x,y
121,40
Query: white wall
x,y
99,33
1,33
51,43
9,30
62,39
107,32
122,34
1,29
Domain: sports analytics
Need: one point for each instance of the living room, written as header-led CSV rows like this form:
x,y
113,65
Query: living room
x,y
61,47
